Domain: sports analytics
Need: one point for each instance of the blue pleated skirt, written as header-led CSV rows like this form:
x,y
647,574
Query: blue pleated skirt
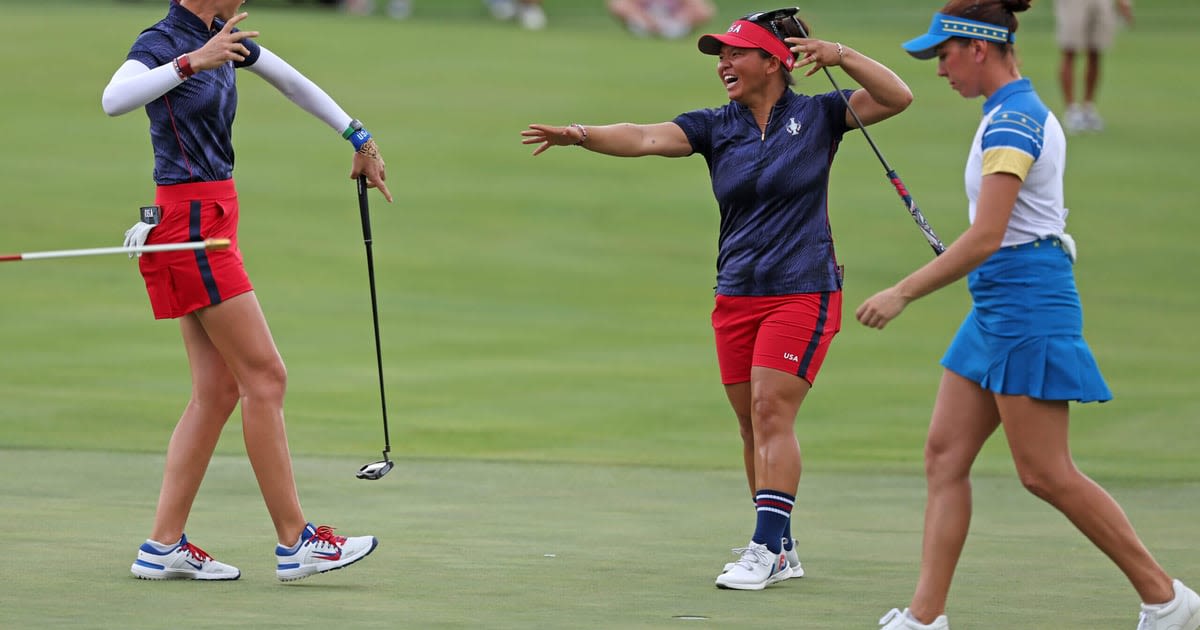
x,y
1024,334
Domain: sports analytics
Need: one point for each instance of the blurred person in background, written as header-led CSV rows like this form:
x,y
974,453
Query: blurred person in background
x,y
778,300
528,13
182,71
1085,26
670,19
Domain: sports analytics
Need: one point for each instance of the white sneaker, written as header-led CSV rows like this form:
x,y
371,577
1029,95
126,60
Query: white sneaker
x,y
531,17
1091,119
503,9
184,561
318,551
1181,613
757,569
1075,120
902,620
793,559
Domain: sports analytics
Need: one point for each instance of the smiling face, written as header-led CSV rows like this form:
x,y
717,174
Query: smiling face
x,y
744,71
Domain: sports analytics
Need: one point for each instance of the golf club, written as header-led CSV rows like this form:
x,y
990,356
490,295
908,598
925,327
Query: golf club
x,y
769,18
210,244
374,470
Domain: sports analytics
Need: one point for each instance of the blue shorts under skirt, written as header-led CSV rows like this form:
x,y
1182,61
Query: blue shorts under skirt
x,y
1024,334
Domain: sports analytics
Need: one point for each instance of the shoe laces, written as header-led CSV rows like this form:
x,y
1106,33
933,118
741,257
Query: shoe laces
x,y
1145,621
195,552
324,535
751,556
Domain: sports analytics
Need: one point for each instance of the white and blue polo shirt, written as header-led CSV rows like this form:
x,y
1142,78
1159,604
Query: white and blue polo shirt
x,y
772,190
191,127
1021,136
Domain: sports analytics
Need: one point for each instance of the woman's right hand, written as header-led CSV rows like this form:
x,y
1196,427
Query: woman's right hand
x,y
224,47
548,136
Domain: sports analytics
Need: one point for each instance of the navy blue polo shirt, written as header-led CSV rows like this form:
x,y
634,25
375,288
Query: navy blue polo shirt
x,y
772,190
191,127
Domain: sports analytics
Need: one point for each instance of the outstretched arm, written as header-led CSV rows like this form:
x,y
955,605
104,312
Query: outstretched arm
x,y
312,99
622,139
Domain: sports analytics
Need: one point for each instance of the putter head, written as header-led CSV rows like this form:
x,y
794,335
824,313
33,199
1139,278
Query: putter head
x,y
375,470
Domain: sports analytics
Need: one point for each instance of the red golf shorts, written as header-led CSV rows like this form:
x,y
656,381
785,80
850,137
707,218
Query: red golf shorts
x,y
790,333
181,282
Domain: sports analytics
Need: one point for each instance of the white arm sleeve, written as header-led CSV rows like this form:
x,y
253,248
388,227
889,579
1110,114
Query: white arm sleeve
x,y
134,85
300,90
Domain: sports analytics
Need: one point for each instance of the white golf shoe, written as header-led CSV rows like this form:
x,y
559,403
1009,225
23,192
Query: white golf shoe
x,y
318,551
183,561
756,569
1181,613
901,620
793,559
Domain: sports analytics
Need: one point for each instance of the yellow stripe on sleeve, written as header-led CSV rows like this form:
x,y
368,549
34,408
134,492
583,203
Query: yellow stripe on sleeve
x,y
1006,160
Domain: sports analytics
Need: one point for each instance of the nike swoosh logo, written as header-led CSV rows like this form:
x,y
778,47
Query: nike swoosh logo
x,y
330,556
194,565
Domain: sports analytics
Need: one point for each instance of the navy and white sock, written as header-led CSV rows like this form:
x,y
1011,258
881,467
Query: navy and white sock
x,y
774,511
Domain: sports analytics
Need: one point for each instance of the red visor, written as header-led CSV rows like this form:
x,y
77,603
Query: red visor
x,y
743,34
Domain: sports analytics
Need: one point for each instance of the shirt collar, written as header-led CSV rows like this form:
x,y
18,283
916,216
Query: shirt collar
x,y
1013,87
189,20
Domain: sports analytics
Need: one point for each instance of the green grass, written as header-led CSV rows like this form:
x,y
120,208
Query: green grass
x,y
551,379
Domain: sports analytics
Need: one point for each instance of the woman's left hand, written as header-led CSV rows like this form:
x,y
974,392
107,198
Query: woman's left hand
x,y
881,308
367,161
815,52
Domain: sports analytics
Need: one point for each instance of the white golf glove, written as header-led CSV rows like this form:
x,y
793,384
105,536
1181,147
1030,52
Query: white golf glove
x,y
1069,245
136,236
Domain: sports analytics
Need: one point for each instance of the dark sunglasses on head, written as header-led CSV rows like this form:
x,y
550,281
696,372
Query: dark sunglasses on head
x,y
767,19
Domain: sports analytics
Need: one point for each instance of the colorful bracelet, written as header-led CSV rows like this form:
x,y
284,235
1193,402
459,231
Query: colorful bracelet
x,y
183,67
582,131
359,138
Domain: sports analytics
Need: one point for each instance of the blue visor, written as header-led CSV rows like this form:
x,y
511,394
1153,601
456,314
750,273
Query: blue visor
x,y
943,27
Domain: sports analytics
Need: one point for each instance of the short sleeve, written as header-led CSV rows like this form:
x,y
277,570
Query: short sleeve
x,y
697,125
1011,143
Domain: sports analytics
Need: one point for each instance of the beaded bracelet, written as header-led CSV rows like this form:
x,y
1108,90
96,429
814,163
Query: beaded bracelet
x,y
583,133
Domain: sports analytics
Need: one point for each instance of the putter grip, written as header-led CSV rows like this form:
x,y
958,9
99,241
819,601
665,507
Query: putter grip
x,y
364,208
911,204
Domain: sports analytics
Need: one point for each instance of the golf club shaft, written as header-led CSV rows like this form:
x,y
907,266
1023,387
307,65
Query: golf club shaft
x,y
210,244
364,211
897,183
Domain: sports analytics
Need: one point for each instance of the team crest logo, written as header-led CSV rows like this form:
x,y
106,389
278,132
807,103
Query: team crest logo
x,y
793,127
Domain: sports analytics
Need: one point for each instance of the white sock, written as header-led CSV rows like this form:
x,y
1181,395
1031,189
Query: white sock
x,y
161,547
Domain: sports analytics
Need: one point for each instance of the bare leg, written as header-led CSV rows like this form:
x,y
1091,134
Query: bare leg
x,y
697,12
775,399
1066,76
739,399
1091,76
1037,433
630,12
214,395
239,332
964,417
